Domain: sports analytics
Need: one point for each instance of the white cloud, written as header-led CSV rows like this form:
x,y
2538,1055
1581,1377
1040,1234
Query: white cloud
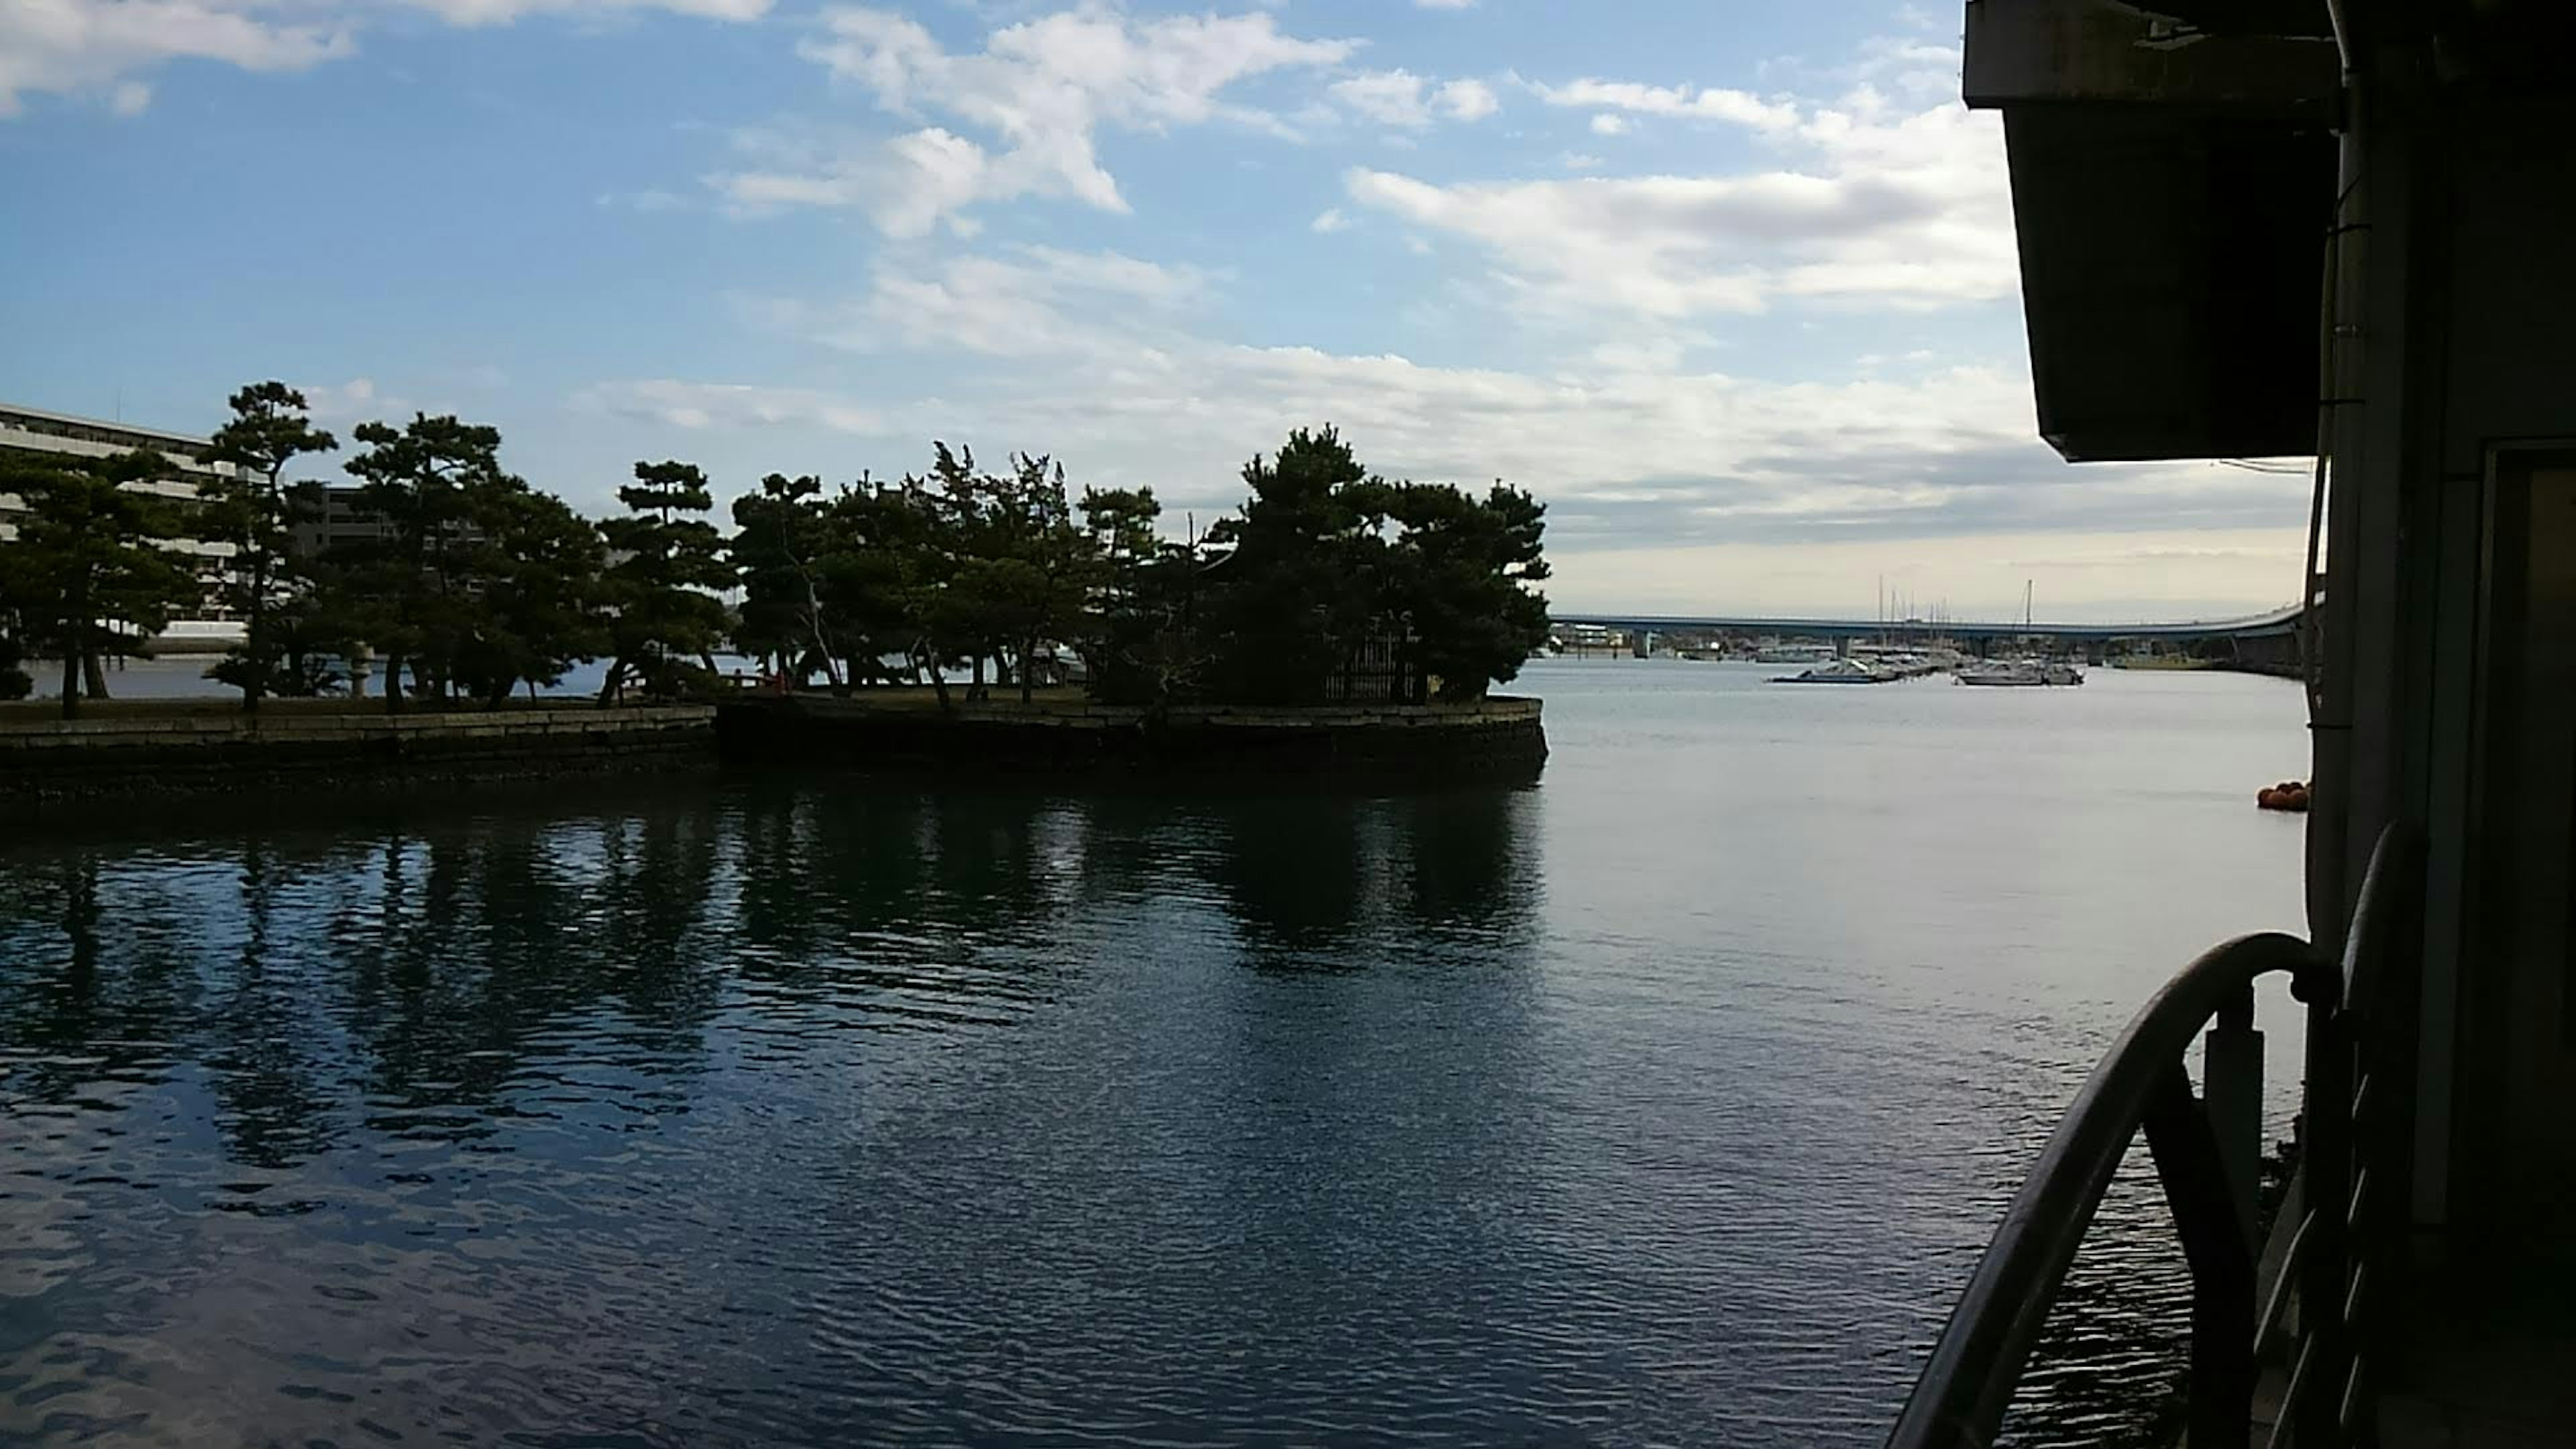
x,y
1867,202
1038,301
86,45
502,12
1607,124
1468,100
1106,361
1401,98
907,184
1711,104
701,405
1661,474
1027,301
1640,354
1040,91
2131,576
342,405
340,399
1579,161
1644,468
1444,4
97,46
1393,97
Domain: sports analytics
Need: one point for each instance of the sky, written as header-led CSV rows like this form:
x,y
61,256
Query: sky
x,y
1730,286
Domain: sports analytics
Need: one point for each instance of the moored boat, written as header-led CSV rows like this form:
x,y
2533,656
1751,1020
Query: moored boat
x,y
1839,671
2019,673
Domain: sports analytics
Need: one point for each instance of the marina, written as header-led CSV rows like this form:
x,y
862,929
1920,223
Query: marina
x,y
1864,665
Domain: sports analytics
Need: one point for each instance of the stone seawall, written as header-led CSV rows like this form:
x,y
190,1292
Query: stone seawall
x,y
1499,738
50,763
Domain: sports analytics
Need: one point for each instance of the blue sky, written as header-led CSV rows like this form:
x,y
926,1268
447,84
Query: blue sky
x,y
1731,286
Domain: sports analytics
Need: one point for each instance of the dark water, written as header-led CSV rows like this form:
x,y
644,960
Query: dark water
x,y
1668,1101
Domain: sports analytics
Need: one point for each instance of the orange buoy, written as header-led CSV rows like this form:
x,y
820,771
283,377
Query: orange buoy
x,y
2290,795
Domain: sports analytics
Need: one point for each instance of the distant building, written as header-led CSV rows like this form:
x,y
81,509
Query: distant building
x,y
329,515
336,515
1583,639
31,430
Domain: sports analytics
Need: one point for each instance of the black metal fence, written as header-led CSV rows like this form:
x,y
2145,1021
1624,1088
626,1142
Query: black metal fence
x,y
1382,670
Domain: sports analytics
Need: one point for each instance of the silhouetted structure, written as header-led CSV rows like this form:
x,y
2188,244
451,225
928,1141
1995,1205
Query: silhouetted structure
x,y
2194,184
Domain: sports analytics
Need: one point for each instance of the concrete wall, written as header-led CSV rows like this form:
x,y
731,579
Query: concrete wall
x,y
1495,738
47,763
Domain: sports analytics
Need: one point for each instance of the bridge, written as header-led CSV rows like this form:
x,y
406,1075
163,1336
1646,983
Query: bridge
x,y
2265,643
2278,624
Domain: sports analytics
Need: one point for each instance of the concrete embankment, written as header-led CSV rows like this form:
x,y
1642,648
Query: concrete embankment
x,y
1499,738
49,765
137,751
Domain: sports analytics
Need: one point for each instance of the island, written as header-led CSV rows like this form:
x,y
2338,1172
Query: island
x,y
419,623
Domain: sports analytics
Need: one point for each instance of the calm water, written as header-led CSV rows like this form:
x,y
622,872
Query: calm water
x,y
1668,1101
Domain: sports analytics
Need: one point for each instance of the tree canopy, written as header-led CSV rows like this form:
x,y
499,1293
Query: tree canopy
x,y
91,567
1329,583
1329,570
659,589
474,580
465,583
252,509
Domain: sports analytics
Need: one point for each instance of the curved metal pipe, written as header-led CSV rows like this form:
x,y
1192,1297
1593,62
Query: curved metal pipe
x,y
1959,1401
1969,1380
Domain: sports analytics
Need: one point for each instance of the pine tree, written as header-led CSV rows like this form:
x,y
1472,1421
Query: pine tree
x,y
1300,589
776,553
410,593
537,593
91,566
252,510
661,589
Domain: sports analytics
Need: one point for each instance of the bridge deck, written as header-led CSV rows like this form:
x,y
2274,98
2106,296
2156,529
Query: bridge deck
x,y
2277,623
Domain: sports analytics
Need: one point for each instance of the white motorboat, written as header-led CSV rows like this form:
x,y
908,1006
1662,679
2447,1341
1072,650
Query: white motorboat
x,y
1840,671
2019,673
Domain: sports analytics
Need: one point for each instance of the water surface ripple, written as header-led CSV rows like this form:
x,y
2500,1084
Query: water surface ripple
x,y
1666,1102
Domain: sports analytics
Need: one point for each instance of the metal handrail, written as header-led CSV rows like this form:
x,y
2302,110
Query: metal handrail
x,y
2141,1085
2384,916
1961,1397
